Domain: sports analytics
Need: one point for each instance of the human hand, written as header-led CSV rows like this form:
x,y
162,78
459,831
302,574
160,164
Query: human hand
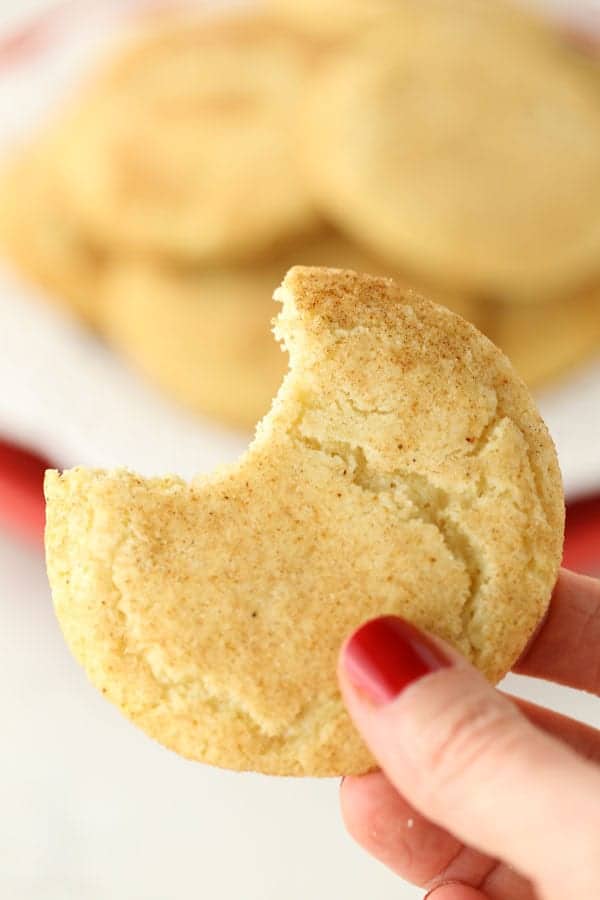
x,y
480,797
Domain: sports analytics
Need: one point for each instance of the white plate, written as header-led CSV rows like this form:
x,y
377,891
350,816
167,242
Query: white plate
x,y
65,393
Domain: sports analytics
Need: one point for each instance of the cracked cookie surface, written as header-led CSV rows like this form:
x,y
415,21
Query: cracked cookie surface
x,y
403,469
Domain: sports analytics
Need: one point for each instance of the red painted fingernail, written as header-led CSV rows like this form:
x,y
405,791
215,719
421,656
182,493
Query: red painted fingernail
x,y
387,654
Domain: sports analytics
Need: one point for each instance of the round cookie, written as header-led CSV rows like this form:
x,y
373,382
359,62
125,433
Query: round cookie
x,y
332,18
403,469
205,335
544,341
466,148
338,18
184,146
39,236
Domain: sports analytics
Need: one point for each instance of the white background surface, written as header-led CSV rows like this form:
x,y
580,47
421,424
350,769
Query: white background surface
x,y
91,809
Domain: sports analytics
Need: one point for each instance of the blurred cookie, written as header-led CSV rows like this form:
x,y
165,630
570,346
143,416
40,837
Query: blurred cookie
x,y
184,146
335,18
403,469
204,335
331,18
40,238
466,147
545,340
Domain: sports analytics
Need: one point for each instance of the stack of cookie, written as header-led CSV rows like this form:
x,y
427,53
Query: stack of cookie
x,y
453,145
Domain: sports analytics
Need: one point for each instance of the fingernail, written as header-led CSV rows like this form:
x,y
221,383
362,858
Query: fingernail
x,y
387,654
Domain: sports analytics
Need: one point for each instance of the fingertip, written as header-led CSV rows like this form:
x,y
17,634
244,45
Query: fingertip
x,y
454,890
371,808
389,828
359,796
379,820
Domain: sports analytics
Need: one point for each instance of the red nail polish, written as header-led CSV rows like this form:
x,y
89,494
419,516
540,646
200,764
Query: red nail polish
x,y
385,655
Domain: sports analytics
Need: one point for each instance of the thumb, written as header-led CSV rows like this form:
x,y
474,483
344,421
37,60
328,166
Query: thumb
x,y
466,758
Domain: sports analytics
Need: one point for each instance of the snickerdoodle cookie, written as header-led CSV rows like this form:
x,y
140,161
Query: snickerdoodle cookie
x,y
465,147
204,335
41,238
185,145
403,468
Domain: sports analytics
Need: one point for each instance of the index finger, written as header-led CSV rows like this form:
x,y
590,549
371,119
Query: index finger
x,y
567,647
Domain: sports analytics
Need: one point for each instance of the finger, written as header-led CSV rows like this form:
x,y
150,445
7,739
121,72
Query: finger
x,y
450,891
392,831
584,739
465,756
567,647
